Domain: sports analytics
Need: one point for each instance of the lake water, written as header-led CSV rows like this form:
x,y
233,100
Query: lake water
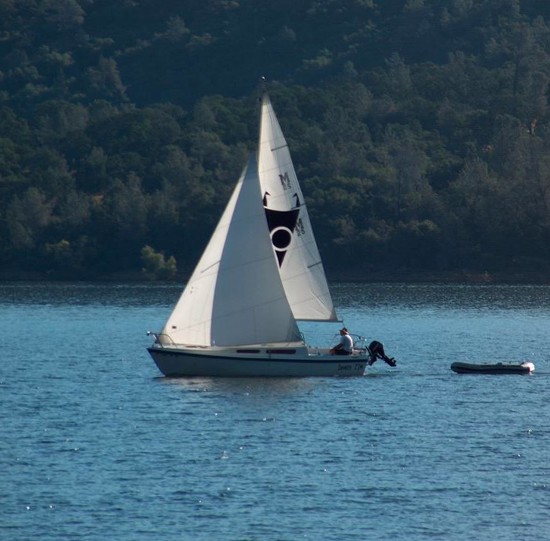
x,y
96,445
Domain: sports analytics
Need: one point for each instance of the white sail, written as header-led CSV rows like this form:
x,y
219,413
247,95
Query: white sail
x,y
235,295
297,254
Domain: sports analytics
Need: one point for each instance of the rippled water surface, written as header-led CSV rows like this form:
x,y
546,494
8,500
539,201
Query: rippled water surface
x,y
97,445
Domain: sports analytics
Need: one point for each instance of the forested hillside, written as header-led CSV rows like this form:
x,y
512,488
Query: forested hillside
x,y
420,130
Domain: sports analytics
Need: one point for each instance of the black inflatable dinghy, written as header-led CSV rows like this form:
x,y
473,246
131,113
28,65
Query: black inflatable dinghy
x,y
497,368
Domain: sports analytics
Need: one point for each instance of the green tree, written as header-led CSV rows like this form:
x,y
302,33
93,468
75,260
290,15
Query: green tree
x,y
27,217
156,266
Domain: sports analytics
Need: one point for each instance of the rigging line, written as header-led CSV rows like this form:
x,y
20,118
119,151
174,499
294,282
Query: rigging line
x,y
210,266
279,148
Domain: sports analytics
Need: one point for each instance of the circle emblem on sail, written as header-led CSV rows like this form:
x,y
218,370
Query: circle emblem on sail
x,y
281,224
281,237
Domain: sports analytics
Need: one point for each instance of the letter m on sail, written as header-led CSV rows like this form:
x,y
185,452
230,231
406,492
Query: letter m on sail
x,y
285,181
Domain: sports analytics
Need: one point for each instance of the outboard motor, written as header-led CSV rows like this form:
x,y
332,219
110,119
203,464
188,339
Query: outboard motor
x,y
376,351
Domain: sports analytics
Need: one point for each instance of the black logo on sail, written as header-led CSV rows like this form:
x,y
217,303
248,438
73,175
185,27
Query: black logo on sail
x,y
285,181
281,224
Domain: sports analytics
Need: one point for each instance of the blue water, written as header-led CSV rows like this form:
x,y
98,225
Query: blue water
x,y
95,445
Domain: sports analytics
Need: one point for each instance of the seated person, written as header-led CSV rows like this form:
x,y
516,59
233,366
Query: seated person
x,y
345,347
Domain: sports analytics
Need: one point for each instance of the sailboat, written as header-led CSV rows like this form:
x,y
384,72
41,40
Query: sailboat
x,y
259,275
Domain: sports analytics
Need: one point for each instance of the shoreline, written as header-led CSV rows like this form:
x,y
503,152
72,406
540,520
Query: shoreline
x,y
447,277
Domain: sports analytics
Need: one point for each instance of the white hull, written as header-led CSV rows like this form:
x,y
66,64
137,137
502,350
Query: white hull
x,y
255,362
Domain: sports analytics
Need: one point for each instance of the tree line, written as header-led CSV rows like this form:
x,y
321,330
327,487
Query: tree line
x,y
419,130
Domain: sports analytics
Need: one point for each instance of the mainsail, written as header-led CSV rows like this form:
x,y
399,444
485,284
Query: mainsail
x,y
235,295
297,254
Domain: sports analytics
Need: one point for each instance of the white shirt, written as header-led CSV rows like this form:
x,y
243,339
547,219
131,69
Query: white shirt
x,y
347,342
